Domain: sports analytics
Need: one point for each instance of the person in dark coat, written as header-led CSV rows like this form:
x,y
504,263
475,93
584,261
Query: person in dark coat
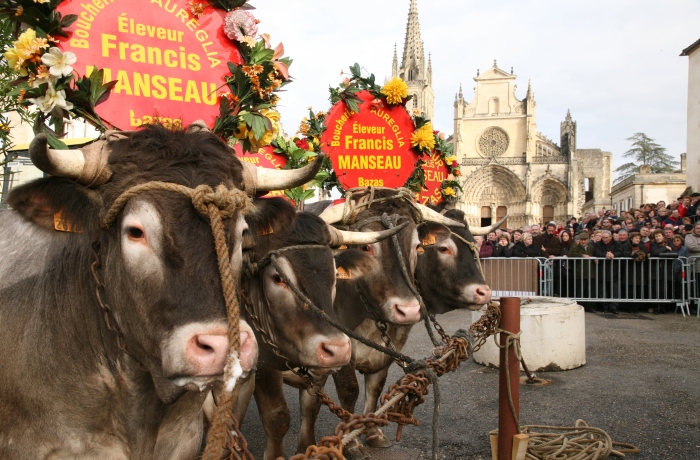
x,y
504,248
637,269
486,250
526,248
548,242
661,267
608,250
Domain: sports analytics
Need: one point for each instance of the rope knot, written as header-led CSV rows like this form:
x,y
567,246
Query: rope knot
x,y
226,200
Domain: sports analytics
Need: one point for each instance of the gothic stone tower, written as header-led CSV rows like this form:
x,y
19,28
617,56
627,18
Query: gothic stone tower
x,y
509,167
413,69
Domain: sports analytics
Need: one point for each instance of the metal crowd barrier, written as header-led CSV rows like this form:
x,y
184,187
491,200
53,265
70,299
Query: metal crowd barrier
x,y
515,277
692,275
656,280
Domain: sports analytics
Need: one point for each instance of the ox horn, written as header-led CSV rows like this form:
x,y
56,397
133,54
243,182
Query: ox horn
x,y
87,166
481,231
266,179
333,214
433,216
341,237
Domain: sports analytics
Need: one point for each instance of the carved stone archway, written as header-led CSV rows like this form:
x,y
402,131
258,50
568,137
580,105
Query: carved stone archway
x,y
494,186
549,191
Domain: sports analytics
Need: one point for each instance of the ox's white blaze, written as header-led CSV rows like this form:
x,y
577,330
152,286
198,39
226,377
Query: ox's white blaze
x,y
237,251
142,240
315,350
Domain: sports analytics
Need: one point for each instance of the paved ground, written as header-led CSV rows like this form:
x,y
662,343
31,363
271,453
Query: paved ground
x,y
641,384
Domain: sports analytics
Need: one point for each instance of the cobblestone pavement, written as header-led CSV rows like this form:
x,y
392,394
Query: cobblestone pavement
x,y
641,384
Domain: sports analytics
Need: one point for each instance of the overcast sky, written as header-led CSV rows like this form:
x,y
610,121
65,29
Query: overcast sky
x,y
614,63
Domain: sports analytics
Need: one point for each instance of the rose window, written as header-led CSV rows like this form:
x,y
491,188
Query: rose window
x,y
493,142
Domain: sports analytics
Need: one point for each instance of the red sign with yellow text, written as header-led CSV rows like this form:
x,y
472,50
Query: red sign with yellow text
x,y
435,171
370,148
168,64
263,158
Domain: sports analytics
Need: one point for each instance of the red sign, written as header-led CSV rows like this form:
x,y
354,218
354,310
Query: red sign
x,y
264,158
169,65
436,171
370,148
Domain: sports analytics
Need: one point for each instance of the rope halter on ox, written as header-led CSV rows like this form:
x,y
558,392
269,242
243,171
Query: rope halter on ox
x,y
217,205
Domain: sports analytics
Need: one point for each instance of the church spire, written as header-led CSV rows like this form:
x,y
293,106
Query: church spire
x,y
395,64
413,53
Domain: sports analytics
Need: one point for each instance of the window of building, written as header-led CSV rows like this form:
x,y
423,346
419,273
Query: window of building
x,y
589,185
485,216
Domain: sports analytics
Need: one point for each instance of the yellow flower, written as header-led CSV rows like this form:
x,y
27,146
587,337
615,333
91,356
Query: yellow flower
x,y
450,160
396,90
423,137
449,191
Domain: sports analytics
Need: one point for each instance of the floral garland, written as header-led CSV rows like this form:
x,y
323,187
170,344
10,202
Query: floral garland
x,y
48,80
46,76
424,140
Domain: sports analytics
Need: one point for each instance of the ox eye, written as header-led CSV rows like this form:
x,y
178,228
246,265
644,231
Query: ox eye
x,y
367,248
444,250
277,279
134,233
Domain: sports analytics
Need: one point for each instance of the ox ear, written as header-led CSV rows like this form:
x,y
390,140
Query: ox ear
x,y
353,264
429,233
57,204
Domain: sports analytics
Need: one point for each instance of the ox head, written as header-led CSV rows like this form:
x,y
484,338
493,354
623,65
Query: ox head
x,y
158,263
382,285
301,242
447,271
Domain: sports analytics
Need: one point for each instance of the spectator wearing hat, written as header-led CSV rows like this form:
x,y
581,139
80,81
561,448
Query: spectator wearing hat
x,y
693,208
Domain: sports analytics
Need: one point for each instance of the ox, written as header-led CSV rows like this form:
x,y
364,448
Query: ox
x,y
383,292
99,363
291,334
448,277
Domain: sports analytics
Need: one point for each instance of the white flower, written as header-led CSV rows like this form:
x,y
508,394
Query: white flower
x,y
59,63
238,24
51,100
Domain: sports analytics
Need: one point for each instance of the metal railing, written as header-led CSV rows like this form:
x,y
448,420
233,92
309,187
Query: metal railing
x,y
674,280
514,276
693,282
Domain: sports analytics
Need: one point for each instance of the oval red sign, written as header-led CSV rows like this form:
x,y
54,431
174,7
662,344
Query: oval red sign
x,y
169,65
435,171
370,148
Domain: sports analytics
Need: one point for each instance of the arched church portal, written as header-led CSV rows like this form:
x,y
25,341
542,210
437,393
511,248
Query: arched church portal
x,y
491,193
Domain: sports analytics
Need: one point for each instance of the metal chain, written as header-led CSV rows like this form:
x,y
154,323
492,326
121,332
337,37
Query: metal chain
x,y
110,320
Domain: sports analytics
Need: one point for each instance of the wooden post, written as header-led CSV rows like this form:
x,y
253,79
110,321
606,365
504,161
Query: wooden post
x,y
510,321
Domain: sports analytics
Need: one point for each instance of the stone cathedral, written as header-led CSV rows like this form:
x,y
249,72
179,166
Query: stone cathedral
x,y
508,167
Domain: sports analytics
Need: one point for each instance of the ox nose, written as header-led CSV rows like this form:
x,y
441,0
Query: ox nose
x,y
334,353
482,294
248,353
207,353
406,312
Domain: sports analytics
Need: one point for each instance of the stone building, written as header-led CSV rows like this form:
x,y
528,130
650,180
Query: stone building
x,y
645,187
693,139
509,168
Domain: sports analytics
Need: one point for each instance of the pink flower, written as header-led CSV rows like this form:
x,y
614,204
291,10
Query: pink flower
x,y
239,24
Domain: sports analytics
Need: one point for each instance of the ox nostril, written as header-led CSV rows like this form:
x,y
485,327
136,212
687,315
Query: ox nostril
x,y
334,353
207,353
406,313
483,294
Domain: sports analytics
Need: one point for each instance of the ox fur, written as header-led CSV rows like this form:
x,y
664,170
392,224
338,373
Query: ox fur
x,y
66,389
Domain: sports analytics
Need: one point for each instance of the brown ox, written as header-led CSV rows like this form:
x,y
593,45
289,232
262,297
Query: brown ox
x,y
448,277
81,380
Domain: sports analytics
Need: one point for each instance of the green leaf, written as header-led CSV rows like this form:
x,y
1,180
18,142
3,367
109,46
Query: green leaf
x,y
258,125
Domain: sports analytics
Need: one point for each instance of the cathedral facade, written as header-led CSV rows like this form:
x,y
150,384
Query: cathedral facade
x,y
508,167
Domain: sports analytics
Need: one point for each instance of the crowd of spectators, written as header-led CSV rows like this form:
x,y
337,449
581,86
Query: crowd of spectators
x,y
642,235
